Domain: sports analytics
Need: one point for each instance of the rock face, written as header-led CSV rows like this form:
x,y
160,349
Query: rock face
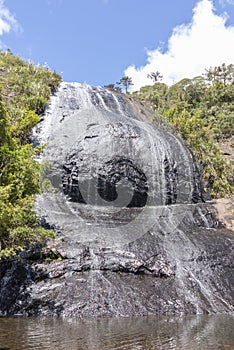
x,y
125,197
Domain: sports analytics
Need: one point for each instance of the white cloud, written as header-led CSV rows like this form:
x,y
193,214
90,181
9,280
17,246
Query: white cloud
x,y
204,42
7,20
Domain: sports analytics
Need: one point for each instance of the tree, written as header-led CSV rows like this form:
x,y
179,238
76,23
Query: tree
x,y
125,82
202,111
220,74
156,94
187,90
155,76
4,125
24,94
112,87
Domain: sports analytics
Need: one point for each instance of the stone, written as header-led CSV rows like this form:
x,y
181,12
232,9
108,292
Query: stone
x,y
133,234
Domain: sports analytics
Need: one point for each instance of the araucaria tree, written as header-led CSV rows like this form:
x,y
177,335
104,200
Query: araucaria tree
x,y
126,83
155,76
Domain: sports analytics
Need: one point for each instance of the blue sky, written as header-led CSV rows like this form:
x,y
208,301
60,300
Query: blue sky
x,y
99,41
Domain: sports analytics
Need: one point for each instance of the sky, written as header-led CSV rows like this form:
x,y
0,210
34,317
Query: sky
x,y
99,41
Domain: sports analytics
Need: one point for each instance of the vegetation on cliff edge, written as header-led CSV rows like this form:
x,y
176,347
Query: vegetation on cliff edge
x,y
202,112
24,93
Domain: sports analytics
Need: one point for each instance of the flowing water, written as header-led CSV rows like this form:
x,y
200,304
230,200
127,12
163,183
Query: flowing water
x,y
201,332
101,151
126,198
134,237
130,255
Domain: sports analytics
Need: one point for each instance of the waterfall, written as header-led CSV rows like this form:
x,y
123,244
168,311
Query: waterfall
x,y
133,234
111,168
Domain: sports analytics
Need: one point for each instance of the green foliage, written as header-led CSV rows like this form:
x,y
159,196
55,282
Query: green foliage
x,y
113,87
200,137
26,89
221,74
50,254
156,94
202,112
125,82
25,93
155,76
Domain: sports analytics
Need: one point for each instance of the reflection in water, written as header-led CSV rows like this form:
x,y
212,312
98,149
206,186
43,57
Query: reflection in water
x,y
148,333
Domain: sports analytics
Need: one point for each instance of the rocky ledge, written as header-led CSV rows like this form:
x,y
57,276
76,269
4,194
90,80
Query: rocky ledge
x,y
186,270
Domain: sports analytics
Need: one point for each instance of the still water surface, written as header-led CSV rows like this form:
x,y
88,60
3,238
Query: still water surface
x,y
148,333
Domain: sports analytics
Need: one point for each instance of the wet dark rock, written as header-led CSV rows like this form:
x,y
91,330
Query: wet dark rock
x,y
189,271
134,236
15,277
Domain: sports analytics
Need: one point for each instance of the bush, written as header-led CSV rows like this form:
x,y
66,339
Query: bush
x,y
202,112
24,95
